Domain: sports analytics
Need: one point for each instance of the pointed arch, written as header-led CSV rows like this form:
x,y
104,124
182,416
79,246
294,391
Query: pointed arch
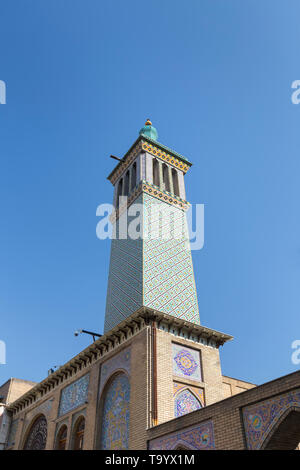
x,y
155,172
133,177
78,433
61,439
36,437
185,401
115,416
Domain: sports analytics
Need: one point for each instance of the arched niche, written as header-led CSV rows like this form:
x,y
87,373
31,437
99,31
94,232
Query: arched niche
x,y
37,435
115,416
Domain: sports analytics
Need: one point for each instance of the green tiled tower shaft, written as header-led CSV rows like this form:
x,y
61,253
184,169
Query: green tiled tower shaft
x,y
156,269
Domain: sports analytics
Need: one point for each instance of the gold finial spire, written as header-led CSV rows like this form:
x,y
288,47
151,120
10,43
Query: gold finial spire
x,y
148,123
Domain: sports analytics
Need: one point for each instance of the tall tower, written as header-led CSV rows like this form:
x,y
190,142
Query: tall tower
x,y
151,263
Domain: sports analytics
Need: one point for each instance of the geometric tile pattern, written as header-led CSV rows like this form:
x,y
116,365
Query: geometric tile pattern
x,y
185,402
125,280
197,437
119,362
115,416
44,408
156,269
74,395
260,418
187,399
169,284
186,362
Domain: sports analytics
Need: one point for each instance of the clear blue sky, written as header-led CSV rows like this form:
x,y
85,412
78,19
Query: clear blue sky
x,y
215,78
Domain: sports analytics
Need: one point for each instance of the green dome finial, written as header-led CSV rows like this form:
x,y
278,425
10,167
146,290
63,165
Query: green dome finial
x,y
149,131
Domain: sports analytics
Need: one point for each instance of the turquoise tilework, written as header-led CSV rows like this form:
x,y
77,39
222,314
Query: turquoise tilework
x,y
116,415
156,270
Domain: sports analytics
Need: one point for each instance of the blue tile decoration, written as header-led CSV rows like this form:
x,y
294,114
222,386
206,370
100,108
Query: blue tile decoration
x,y
185,402
187,399
260,418
116,414
186,362
125,280
155,270
120,362
168,276
74,395
197,437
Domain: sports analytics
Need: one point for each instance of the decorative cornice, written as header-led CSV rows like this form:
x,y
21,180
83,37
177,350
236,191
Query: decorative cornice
x,y
160,151
154,191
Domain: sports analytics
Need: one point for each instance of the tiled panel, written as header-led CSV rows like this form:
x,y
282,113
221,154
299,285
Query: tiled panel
x,y
115,416
168,276
259,419
187,399
198,437
12,433
125,281
186,362
74,395
120,361
155,270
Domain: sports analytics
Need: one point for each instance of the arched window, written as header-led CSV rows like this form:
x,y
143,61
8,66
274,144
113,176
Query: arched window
x,y
155,172
115,414
37,437
119,191
185,402
78,434
126,186
175,182
166,177
61,441
133,176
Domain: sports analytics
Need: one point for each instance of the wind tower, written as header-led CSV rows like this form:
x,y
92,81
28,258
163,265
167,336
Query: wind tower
x,y
154,270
